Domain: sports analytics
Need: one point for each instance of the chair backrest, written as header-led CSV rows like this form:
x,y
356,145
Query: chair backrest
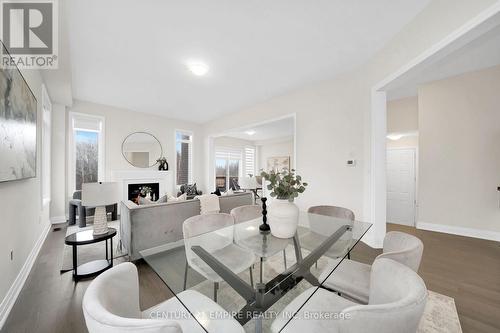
x,y
200,230
403,248
246,213
332,211
77,195
201,224
111,304
396,304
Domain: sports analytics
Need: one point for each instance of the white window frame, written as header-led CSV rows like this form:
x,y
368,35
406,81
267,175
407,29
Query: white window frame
x,y
101,176
230,150
46,147
245,167
190,158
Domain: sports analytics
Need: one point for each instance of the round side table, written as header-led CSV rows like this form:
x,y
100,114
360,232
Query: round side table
x,y
95,267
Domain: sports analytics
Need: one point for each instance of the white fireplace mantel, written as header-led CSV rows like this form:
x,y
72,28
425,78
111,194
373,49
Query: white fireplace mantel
x,y
127,177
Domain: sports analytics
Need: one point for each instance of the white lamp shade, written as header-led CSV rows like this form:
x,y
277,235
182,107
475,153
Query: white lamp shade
x,y
100,194
248,183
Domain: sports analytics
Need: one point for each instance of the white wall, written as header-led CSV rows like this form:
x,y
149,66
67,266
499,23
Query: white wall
x,y
459,141
333,119
273,148
402,117
226,141
22,222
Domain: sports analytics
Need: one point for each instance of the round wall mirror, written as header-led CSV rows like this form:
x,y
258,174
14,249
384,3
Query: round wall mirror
x,y
141,149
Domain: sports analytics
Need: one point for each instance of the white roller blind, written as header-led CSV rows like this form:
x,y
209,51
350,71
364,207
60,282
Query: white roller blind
x,y
249,161
86,123
227,153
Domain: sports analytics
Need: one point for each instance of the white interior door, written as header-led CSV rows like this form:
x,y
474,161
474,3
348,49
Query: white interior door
x,y
401,183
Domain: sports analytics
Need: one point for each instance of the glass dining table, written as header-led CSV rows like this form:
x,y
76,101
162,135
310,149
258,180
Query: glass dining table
x,y
281,269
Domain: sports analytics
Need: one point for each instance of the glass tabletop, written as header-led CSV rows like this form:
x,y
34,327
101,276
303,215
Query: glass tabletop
x,y
253,275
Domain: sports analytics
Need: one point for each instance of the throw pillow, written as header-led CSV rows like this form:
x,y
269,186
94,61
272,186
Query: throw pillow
x,y
163,199
144,201
191,189
181,197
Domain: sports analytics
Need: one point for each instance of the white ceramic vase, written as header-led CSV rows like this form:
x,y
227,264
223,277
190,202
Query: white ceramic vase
x,y
283,218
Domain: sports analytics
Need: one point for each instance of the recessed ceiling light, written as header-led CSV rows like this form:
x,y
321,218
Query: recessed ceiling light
x,y
198,68
250,132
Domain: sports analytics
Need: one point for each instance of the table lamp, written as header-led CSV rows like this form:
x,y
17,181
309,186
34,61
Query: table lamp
x,y
248,183
99,195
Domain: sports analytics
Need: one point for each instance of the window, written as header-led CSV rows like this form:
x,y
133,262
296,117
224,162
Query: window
x,y
87,157
46,145
249,161
228,168
86,150
184,157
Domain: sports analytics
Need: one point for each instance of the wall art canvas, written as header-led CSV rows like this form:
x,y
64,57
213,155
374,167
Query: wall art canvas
x,y
18,107
278,163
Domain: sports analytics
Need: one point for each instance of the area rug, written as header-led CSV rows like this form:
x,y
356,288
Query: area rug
x,y
87,253
440,314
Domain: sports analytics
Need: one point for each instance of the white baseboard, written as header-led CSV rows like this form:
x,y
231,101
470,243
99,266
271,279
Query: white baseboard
x,y
460,231
58,219
17,285
162,248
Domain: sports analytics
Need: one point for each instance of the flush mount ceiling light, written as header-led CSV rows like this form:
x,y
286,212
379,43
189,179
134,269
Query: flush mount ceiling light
x,y
250,132
198,68
394,137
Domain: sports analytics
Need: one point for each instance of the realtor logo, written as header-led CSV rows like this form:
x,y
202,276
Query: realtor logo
x,y
29,32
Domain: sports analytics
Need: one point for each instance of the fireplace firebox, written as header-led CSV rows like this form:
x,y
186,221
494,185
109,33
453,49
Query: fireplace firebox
x,y
135,189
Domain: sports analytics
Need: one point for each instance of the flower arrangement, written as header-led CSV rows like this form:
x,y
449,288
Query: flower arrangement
x,y
145,190
284,185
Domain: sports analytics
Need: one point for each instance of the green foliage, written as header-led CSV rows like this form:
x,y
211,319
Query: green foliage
x,y
285,185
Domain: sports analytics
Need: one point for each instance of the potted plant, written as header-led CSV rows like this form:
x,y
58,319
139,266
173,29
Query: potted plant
x,y
283,214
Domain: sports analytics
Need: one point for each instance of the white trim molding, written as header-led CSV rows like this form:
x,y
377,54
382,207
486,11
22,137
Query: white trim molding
x,y
58,219
16,287
460,231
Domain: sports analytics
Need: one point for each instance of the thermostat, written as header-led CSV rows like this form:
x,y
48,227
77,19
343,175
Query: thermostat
x,y
351,163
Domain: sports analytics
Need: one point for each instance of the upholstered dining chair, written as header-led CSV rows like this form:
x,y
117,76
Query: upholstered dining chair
x,y
397,301
200,230
111,305
352,278
341,247
250,212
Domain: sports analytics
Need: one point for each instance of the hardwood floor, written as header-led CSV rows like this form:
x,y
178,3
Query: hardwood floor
x,y
466,269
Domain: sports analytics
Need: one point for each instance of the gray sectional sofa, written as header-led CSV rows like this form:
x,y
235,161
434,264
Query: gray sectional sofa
x,y
149,226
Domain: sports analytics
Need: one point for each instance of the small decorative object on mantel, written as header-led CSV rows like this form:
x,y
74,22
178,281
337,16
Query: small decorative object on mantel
x,y
283,214
162,164
264,227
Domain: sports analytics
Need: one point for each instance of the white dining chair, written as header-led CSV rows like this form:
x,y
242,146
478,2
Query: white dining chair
x,y
397,301
311,239
213,233
250,212
111,305
352,278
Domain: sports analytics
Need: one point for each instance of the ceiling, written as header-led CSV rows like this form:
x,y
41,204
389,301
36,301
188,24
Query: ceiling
x,y
132,54
480,53
279,129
